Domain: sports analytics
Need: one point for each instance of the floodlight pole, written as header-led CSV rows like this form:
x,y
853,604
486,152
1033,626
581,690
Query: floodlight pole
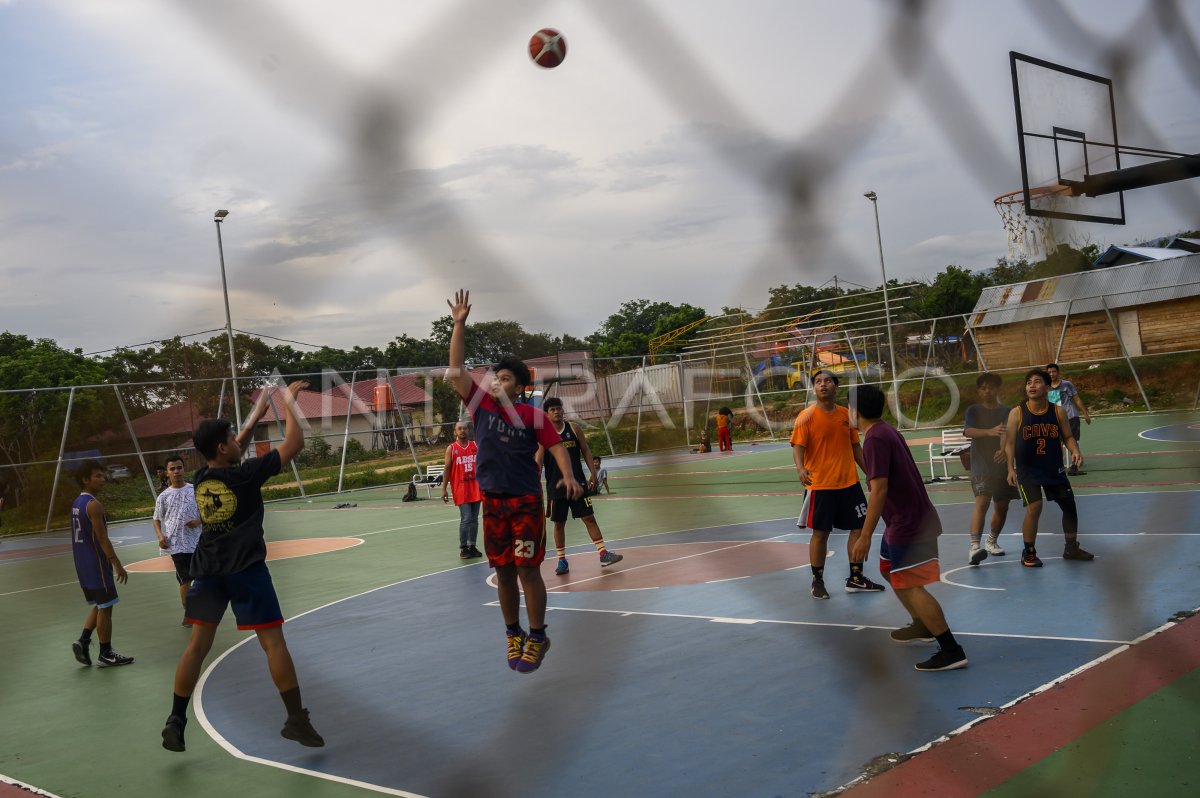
x,y
218,217
887,311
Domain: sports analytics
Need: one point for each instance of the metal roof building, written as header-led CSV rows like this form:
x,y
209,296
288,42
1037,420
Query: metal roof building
x,y
1134,310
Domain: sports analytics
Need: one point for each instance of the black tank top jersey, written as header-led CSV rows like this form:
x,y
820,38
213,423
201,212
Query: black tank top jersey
x,y
1038,447
571,441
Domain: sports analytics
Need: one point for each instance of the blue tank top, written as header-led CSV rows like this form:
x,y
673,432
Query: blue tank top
x,y
1038,448
91,564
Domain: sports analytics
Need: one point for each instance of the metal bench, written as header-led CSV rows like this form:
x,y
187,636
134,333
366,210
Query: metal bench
x,y
953,446
432,478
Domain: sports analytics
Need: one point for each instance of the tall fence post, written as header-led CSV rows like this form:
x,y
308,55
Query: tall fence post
x,y
637,433
346,432
282,433
1125,353
967,328
683,401
1062,336
137,447
403,425
925,373
62,447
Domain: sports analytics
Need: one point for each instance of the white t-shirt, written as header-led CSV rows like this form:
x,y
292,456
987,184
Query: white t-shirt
x,y
173,508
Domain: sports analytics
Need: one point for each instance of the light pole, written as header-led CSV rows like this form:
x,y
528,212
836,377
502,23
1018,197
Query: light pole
x,y
887,311
218,217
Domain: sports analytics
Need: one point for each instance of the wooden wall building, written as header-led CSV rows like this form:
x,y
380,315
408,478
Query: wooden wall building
x,y
1154,305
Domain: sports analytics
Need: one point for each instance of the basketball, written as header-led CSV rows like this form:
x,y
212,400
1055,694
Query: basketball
x,y
547,48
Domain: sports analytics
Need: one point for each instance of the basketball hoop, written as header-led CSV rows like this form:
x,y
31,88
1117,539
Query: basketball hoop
x,y
1028,235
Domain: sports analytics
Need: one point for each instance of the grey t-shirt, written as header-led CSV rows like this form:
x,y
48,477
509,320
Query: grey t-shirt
x,y
983,450
1064,395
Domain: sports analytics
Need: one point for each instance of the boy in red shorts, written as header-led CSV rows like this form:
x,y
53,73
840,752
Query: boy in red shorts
x,y
514,524
908,555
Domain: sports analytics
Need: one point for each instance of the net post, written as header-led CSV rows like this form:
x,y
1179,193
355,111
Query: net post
x,y
1063,335
62,447
1125,352
346,432
137,447
641,383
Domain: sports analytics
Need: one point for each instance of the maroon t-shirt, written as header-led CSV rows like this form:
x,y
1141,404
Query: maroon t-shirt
x,y
508,438
909,514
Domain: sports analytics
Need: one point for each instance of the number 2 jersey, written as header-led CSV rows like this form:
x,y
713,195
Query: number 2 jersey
x,y
1038,448
91,563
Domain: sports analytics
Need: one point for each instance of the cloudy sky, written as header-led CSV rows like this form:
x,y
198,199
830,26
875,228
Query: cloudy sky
x,y
374,155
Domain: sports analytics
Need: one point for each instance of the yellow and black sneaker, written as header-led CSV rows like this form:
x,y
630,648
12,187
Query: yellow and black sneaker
x,y
516,647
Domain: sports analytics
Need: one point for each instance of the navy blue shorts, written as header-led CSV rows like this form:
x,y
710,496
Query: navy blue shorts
x,y
100,597
1031,492
251,593
825,510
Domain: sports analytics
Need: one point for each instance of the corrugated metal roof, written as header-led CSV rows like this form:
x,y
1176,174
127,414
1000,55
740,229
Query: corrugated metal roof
x,y
1121,286
1114,254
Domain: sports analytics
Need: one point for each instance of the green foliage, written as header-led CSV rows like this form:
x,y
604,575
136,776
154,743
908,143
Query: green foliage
x,y
954,291
628,331
316,452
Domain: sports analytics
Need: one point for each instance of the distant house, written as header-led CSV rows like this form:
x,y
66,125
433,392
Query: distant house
x,y
1120,256
1186,244
379,413
1154,304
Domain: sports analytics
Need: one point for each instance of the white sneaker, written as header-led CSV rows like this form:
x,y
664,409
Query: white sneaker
x,y
976,554
992,546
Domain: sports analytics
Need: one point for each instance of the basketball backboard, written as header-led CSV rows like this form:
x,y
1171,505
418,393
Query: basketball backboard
x,y
1066,131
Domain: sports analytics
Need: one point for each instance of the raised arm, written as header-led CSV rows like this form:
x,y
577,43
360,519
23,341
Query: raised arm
x,y
293,433
246,433
457,374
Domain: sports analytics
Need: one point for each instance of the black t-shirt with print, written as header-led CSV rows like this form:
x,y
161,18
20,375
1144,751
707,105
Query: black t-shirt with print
x,y
231,507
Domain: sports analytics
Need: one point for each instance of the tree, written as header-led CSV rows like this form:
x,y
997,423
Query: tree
x,y
953,292
31,420
629,330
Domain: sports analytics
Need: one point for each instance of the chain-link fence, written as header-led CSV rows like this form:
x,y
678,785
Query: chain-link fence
x,y
383,427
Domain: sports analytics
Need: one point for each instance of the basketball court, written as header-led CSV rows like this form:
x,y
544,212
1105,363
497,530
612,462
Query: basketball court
x,y
699,664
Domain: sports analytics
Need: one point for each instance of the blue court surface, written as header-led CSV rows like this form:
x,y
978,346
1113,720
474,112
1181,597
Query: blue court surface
x,y
699,665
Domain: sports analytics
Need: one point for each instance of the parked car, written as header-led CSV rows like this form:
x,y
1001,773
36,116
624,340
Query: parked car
x,y
118,472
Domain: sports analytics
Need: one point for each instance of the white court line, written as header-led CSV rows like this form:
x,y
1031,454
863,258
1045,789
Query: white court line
x,y
35,790
43,587
1035,691
411,526
850,626
663,562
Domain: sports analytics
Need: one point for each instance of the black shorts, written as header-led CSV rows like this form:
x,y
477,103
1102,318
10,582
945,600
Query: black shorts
x,y
556,509
183,567
995,487
825,510
1031,492
102,597
1073,423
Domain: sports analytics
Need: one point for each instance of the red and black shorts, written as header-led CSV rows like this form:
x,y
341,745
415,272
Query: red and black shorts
x,y
841,508
514,530
912,564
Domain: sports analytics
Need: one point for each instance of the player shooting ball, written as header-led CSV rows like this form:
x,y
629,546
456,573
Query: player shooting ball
x,y
514,526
